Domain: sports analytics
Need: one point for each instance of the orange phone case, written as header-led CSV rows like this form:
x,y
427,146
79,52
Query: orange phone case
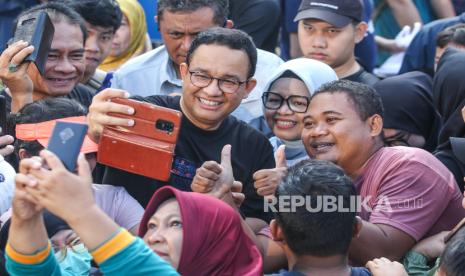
x,y
147,148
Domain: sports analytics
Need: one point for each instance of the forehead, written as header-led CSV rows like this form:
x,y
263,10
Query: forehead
x,y
318,23
167,208
194,21
220,60
327,102
290,86
67,37
98,29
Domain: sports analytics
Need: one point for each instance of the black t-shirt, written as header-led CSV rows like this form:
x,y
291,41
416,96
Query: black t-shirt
x,y
363,76
79,93
251,151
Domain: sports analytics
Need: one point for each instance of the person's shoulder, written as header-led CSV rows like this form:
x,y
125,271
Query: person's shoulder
x,y
434,27
367,77
150,59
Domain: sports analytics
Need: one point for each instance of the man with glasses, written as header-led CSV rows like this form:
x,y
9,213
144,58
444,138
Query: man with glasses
x,y
216,76
157,72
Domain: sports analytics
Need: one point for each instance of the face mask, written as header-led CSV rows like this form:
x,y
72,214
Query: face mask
x,y
75,260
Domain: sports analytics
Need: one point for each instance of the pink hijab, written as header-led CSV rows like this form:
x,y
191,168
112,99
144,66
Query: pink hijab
x,y
213,240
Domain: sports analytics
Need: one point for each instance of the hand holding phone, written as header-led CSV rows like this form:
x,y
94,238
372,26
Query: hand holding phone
x,y
147,148
66,142
37,30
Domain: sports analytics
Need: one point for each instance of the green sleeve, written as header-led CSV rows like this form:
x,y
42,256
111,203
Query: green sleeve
x,y
417,265
136,259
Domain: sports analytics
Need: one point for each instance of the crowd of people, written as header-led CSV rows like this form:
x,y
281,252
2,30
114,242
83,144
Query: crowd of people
x,y
295,155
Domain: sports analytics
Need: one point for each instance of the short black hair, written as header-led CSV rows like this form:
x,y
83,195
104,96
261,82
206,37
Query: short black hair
x,y
366,100
452,261
317,233
231,38
101,13
453,34
45,110
57,12
219,7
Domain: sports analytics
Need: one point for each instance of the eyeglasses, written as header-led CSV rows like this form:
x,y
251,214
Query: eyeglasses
x,y
399,139
202,80
274,101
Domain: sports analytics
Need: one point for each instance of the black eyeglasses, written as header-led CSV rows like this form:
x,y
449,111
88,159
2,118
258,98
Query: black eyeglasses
x,y
399,139
202,80
274,101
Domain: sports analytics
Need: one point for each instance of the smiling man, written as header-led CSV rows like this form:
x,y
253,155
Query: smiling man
x,y
64,66
328,31
103,18
157,72
407,193
216,76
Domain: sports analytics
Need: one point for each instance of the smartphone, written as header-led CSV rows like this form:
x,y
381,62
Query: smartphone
x,y
37,30
3,115
147,148
454,231
66,142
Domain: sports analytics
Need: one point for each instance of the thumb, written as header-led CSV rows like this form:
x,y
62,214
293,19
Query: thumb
x,y
226,157
280,157
83,169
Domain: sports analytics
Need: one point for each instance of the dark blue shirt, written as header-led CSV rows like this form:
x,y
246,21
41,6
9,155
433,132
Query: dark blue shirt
x,y
421,52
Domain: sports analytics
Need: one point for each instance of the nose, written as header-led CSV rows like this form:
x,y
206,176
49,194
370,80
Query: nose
x,y
319,41
91,43
186,42
65,66
284,109
319,130
155,237
213,88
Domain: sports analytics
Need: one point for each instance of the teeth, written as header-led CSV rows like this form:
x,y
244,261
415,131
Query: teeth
x,y
285,123
207,102
319,146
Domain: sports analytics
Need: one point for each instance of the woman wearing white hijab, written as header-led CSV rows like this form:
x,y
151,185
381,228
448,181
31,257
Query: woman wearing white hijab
x,y
285,102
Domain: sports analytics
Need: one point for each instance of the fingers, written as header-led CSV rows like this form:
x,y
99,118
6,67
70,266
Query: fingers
x,y
266,190
11,52
19,57
226,157
212,166
212,175
52,160
238,198
84,168
15,55
7,150
201,184
28,164
22,180
280,157
6,140
236,187
101,109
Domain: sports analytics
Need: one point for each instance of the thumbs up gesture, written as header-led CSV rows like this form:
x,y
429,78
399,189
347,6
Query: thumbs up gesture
x,y
267,180
215,178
